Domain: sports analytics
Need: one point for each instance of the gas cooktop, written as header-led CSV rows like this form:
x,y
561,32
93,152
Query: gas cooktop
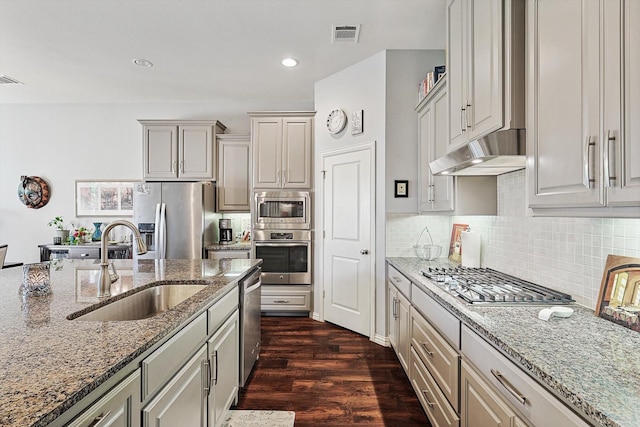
x,y
491,287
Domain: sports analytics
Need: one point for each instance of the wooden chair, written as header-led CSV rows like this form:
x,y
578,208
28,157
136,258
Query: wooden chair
x,y
3,254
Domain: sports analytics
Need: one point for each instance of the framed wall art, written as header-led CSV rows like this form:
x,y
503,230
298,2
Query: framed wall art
x,y
401,188
619,299
104,198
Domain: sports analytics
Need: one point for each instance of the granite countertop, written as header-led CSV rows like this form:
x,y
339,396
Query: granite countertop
x,y
238,246
589,362
48,363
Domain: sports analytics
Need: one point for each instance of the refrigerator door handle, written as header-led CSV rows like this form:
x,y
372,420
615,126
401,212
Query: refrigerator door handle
x,y
156,231
163,232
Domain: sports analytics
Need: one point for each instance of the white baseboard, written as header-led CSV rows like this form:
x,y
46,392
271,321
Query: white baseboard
x,y
382,340
316,316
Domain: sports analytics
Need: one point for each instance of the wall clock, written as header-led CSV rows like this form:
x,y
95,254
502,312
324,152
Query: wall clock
x,y
336,121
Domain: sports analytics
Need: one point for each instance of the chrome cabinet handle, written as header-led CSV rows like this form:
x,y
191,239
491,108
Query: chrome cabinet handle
x,y
393,311
424,393
278,177
607,164
587,163
174,164
510,388
398,308
100,419
426,349
281,301
463,128
467,110
181,166
207,365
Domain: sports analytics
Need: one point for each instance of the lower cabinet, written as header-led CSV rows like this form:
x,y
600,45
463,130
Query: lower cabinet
x,y
120,407
224,357
183,401
285,298
399,324
480,406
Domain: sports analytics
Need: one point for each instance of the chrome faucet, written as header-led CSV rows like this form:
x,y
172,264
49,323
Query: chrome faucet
x,y
105,279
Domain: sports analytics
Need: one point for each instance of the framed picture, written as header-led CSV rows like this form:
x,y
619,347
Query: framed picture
x,y
357,124
619,299
104,198
401,188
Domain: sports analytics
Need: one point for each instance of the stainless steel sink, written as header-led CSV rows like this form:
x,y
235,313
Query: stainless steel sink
x,y
142,305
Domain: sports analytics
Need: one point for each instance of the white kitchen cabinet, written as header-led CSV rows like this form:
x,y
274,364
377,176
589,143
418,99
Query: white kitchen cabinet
x,y
233,183
485,68
436,192
399,321
282,148
120,407
224,357
175,150
480,405
583,108
285,298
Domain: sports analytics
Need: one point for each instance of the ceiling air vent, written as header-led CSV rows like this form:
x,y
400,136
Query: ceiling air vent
x,y
6,80
345,33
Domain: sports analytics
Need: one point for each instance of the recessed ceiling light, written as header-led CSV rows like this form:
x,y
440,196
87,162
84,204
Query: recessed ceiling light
x,y
289,62
143,63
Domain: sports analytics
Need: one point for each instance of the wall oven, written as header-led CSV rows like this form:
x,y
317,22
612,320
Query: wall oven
x,y
290,210
285,254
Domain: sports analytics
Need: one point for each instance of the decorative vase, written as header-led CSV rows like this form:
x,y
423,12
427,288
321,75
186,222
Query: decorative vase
x,y
97,234
62,235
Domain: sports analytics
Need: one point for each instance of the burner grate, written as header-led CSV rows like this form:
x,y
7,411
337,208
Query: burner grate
x,y
487,286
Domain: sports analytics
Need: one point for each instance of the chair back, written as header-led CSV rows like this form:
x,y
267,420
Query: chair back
x,y
3,254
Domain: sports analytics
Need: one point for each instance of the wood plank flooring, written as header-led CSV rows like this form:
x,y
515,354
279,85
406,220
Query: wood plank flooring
x,y
330,377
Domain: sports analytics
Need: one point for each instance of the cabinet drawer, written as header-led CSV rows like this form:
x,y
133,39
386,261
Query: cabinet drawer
x,y
399,281
222,309
437,355
446,323
84,252
540,407
158,368
285,298
431,398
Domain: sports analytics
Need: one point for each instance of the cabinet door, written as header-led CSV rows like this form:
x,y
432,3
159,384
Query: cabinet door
x,y
436,192
296,152
624,150
404,334
120,407
267,155
563,123
224,357
160,151
233,175
393,316
196,154
456,72
182,401
484,110
480,405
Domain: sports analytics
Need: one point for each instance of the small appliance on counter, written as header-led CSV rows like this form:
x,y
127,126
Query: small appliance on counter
x,y
226,233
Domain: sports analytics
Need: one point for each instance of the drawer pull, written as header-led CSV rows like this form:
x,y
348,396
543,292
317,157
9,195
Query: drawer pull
x,y
510,388
424,393
396,279
207,365
100,419
426,349
281,301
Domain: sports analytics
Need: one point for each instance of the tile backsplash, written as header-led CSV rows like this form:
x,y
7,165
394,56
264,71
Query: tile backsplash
x,y
566,254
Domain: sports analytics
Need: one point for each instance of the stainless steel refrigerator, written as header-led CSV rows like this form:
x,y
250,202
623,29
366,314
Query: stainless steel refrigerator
x,y
176,219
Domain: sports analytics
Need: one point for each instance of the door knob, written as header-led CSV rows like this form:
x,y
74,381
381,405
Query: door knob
x,y
364,252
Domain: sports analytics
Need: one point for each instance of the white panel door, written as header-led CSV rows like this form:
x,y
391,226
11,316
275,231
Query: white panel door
x,y
348,239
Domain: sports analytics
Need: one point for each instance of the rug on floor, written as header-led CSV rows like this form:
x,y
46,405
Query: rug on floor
x,y
243,418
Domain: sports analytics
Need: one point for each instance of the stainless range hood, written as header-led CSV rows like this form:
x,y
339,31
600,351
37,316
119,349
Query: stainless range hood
x,y
497,153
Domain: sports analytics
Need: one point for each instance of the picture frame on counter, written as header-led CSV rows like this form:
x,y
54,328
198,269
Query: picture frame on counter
x,y
619,298
104,198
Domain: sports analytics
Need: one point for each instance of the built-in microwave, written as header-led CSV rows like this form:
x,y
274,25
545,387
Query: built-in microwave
x,y
282,210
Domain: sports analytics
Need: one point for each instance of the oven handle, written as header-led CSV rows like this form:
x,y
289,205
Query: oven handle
x,y
288,244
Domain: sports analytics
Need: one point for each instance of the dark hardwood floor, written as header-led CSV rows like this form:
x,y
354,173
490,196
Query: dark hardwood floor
x,y
330,377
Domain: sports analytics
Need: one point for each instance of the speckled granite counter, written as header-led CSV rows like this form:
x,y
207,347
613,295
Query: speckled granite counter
x,y
590,362
239,246
48,363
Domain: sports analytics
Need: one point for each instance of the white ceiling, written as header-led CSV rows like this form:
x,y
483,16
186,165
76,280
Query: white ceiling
x,y
81,51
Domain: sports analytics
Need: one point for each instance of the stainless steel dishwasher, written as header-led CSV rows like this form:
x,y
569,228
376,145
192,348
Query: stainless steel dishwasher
x,y
249,323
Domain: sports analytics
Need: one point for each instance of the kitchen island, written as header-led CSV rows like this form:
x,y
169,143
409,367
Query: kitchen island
x,y
49,363
590,364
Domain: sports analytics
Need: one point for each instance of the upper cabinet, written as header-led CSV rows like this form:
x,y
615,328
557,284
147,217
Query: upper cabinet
x,y
583,119
176,150
282,147
233,183
485,68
